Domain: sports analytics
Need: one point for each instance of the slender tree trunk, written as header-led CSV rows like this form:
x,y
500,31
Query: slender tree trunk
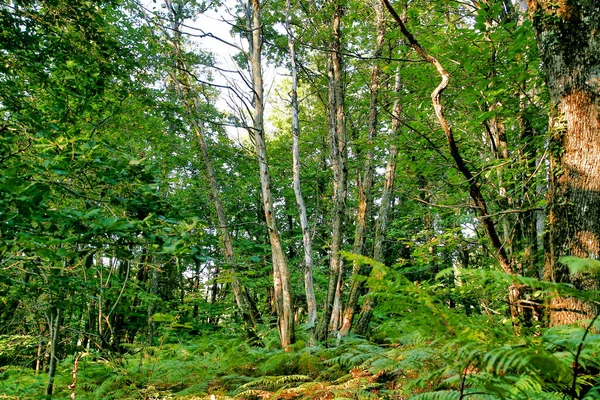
x,y
568,34
38,359
311,301
368,306
281,274
339,161
365,182
54,321
241,296
474,190
192,107
152,306
532,245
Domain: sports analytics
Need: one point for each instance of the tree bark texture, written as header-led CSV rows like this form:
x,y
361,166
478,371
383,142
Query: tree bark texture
x,y
311,301
339,161
568,34
281,274
365,182
381,225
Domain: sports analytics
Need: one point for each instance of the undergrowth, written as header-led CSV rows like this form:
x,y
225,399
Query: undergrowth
x,y
418,348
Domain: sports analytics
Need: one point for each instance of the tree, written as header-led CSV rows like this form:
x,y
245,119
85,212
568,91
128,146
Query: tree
x,y
181,78
568,34
281,274
311,302
365,181
339,164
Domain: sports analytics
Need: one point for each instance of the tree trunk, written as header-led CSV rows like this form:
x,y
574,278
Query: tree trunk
x,y
365,183
192,108
241,296
368,306
281,274
506,263
152,306
568,34
339,161
311,301
54,321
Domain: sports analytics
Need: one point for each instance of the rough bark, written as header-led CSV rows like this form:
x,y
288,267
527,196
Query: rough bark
x,y
281,275
568,34
365,182
311,301
339,161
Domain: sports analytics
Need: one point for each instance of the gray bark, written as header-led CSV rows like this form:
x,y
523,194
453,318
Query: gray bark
x,y
311,301
281,275
339,161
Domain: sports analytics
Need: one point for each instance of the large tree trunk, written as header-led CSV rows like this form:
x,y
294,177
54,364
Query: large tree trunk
x,y
281,274
311,301
365,182
339,161
568,34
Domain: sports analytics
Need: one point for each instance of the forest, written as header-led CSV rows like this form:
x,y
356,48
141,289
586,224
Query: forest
x,y
321,199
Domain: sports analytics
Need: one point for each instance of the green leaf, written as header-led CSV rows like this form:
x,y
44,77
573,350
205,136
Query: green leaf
x,y
581,265
136,162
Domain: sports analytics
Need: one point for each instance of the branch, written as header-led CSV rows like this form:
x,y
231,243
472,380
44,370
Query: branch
x,y
579,349
436,96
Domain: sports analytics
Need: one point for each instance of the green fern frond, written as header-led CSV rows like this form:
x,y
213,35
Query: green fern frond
x,y
252,393
439,395
274,382
354,355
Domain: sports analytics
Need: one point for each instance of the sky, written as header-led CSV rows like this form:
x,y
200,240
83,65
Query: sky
x,y
215,24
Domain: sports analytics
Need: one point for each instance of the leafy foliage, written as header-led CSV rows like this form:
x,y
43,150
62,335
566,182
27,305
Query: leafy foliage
x,y
111,253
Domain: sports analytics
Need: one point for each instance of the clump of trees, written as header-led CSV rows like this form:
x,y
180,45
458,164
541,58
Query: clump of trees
x,y
428,163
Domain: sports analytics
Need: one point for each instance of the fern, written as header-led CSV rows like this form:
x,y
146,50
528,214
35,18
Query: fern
x,y
274,382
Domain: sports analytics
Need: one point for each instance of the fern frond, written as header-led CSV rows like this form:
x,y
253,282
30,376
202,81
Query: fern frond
x,y
439,395
274,382
250,393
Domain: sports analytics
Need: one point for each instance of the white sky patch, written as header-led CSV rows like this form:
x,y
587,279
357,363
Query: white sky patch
x,y
211,31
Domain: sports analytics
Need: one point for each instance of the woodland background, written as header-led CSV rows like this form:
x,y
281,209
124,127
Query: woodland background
x,y
415,215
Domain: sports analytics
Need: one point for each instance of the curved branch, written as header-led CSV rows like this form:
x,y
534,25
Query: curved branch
x,y
436,96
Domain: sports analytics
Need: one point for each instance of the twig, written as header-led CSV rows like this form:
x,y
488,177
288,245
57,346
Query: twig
x,y
579,349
